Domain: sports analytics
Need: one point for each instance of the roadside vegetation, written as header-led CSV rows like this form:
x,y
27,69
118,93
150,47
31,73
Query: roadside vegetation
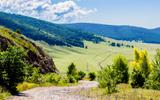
x,y
92,76
139,73
125,92
131,80
17,76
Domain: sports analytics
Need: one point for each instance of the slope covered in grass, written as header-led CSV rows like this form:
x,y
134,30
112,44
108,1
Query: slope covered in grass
x,y
51,33
35,55
95,56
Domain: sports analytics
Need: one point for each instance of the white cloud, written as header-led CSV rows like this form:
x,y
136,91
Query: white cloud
x,y
45,9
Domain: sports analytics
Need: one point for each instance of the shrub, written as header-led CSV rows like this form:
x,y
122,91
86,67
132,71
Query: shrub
x,y
136,79
152,84
34,76
107,79
145,64
71,79
136,55
140,68
113,44
51,78
72,70
156,62
25,86
153,81
63,81
72,73
92,76
12,68
121,69
45,79
55,79
4,95
110,76
118,45
81,75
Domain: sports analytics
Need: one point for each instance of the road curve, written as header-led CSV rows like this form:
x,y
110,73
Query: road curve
x,y
56,93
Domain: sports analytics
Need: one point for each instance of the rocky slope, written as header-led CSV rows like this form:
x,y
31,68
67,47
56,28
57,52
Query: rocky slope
x,y
36,56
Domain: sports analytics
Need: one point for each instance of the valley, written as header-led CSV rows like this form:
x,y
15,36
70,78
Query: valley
x,y
95,56
44,60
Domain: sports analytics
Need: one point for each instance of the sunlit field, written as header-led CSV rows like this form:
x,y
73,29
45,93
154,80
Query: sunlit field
x,y
95,56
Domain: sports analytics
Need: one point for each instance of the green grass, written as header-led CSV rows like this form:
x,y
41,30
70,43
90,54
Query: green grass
x,y
95,56
4,94
125,92
25,86
16,38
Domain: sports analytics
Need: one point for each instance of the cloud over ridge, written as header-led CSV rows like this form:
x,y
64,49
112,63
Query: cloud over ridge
x,y
45,9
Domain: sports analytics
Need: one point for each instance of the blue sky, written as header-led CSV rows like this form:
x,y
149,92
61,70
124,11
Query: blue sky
x,y
145,13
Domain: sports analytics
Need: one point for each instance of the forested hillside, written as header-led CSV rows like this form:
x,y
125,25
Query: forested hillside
x,y
53,34
157,29
129,33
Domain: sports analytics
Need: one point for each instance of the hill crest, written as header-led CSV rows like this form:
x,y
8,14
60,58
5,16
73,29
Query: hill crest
x,y
119,32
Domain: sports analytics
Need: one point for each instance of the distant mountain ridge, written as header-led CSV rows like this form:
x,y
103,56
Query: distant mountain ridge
x,y
156,29
123,32
75,34
53,34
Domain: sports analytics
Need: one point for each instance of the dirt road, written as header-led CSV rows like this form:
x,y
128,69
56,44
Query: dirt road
x,y
56,93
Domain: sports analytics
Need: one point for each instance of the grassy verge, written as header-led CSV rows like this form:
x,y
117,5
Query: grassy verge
x,y
125,92
26,85
3,94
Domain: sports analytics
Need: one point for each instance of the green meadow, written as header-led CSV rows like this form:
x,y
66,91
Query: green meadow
x,y
95,56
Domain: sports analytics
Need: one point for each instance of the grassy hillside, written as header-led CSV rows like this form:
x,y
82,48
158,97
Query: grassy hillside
x,y
16,38
45,31
95,56
129,33
35,55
